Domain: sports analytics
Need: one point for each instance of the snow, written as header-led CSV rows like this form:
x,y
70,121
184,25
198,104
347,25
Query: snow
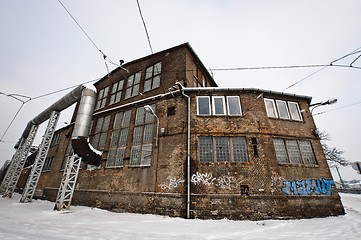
x,y
37,220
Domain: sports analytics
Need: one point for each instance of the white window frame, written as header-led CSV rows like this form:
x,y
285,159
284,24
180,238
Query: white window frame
x,y
273,108
239,106
297,108
214,99
282,104
209,106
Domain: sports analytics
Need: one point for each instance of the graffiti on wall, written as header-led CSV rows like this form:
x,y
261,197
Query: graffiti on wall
x,y
308,187
172,183
203,178
223,182
207,179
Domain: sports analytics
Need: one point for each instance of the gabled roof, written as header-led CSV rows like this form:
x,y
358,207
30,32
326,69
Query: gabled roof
x,y
184,45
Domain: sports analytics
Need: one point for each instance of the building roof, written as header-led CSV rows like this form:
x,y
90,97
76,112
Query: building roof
x,y
184,45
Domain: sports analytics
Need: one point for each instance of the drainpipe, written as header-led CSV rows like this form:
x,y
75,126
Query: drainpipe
x,y
188,149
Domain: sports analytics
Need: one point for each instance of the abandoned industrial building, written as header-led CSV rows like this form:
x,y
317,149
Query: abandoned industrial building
x,y
169,141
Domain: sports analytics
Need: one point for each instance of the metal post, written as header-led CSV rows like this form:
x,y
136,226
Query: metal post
x,y
35,173
11,169
339,175
67,185
19,162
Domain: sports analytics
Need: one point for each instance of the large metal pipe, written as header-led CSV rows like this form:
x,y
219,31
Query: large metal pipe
x,y
79,138
80,142
58,106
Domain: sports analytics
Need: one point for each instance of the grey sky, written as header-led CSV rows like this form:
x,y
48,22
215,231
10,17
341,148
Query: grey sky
x,y
43,50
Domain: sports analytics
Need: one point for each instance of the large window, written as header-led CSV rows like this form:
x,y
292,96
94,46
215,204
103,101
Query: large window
x,y
141,152
152,77
294,151
222,149
56,139
100,132
283,109
133,84
47,164
102,97
198,78
220,105
119,139
116,92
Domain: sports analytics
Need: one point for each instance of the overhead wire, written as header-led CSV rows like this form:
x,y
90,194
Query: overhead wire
x,y
145,26
105,57
11,122
30,99
331,64
349,105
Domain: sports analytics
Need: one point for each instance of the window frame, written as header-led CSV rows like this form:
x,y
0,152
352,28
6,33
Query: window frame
x,y
133,85
152,76
209,106
119,139
214,107
102,98
297,108
274,110
143,137
209,150
282,106
292,108
239,107
305,153
47,164
116,94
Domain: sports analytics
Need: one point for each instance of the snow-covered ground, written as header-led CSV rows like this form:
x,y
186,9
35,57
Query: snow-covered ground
x,y
37,220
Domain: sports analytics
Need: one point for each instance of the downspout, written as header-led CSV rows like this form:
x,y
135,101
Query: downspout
x,y
188,149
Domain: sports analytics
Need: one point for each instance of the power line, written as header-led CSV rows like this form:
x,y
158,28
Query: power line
x,y
284,67
145,27
8,127
61,90
30,99
105,57
349,54
349,105
305,78
80,26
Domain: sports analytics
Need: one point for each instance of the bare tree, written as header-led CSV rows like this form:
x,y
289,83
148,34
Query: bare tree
x,y
333,154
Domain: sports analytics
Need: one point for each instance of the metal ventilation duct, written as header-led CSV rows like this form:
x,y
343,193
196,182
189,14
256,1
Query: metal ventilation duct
x,y
80,143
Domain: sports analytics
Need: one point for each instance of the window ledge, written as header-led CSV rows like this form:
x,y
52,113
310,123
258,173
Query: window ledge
x,y
287,120
225,163
298,165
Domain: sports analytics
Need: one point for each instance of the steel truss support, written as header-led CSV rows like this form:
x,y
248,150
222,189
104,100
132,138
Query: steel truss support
x,y
12,165
68,182
18,162
35,173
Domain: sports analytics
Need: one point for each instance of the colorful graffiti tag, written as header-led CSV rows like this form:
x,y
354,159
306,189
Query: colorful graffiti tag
x,y
308,187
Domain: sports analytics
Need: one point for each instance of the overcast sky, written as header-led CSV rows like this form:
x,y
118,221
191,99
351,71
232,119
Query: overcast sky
x,y
43,50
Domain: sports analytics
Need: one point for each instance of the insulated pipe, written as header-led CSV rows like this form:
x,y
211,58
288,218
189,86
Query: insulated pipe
x,y
58,106
79,138
80,143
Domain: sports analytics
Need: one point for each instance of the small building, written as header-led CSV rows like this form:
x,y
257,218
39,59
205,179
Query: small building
x,y
174,143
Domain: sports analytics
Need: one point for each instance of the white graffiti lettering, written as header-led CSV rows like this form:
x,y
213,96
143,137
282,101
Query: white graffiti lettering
x,y
173,183
202,178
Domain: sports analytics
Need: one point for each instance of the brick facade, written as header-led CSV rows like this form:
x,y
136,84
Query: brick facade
x,y
152,174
